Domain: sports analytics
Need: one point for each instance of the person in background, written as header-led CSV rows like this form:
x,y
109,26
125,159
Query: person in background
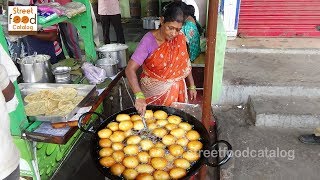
x,y
194,4
164,58
192,30
69,36
43,43
109,11
9,154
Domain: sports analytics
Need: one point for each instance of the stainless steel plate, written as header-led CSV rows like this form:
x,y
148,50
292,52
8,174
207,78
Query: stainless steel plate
x,y
83,90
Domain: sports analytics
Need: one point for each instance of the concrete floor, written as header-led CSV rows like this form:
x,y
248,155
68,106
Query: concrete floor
x,y
295,160
283,43
272,69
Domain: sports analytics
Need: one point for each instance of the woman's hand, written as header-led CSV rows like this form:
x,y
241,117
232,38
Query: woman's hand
x,y
192,94
141,106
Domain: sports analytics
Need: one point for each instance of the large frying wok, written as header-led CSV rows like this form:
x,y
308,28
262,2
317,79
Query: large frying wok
x,y
198,126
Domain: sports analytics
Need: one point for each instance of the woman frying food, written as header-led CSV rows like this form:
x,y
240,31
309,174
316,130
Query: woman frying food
x,y
164,58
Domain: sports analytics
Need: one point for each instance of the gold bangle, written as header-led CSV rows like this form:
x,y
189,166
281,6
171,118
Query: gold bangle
x,y
192,87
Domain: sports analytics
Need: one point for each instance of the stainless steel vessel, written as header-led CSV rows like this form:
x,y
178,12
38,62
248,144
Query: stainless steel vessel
x,y
149,22
109,65
115,51
88,91
36,69
62,74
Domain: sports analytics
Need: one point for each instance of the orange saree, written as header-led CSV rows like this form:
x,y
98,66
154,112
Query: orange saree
x,y
164,73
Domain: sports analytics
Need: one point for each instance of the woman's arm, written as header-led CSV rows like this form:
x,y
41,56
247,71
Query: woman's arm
x,y
131,74
191,87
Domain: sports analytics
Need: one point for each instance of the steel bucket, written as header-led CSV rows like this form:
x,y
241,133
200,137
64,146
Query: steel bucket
x,y
114,51
36,69
109,65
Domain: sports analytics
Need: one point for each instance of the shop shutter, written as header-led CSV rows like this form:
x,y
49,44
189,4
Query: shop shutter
x,y
279,18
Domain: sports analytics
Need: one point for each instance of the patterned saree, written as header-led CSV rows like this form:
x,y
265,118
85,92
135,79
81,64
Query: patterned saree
x,y
164,73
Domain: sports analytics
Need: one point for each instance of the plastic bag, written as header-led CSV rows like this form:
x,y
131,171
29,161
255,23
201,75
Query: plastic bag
x,y
52,6
94,74
74,8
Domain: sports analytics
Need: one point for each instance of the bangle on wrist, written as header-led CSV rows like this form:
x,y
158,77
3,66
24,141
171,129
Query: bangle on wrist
x,y
139,95
193,87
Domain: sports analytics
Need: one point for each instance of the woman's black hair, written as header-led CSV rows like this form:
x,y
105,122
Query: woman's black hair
x,y
174,12
189,10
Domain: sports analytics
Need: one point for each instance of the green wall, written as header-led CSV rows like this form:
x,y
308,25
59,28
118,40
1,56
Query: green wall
x,y
219,61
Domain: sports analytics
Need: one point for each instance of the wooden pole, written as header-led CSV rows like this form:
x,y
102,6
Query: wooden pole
x,y
208,70
209,64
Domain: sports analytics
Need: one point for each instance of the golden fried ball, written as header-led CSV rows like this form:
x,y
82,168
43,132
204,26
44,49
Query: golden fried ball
x,y
149,121
104,133
144,157
105,152
145,168
138,125
178,132
156,152
117,146
159,114
123,117
168,139
191,156
161,175
182,142
193,135
105,143
127,133
144,176
113,126
136,117
182,163
131,149
125,125
162,122
174,119
159,163
146,144
117,169
117,136
107,161
171,126
170,157
194,145
134,139
152,126
177,173
176,150
130,174
130,162
118,156
148,114
159,132
185,126
160,145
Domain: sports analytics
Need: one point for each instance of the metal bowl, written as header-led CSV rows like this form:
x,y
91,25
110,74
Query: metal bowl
x,y
62,74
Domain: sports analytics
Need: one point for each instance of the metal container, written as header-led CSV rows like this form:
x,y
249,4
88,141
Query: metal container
x,y
114,51
36,69
148,22
109,65
62,74
88,91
